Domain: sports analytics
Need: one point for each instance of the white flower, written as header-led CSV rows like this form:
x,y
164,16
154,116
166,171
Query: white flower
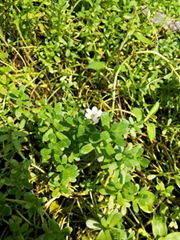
x,y
93,114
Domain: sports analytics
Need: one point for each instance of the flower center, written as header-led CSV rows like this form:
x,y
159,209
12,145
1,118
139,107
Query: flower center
x,y
93,115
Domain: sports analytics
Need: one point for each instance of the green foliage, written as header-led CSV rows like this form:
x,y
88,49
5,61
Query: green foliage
x,y
97,65
171,236
151,130
159,226
59,170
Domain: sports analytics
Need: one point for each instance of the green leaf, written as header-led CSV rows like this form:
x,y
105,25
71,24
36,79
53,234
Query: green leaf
x,y
112,166
3,55
3,91
177,180
104,222
22,123
95,138
97,65
171,236
151,130
45,153
87,148
120,128
119,156
143,39
108,235
146,200
138,113
153,110
144,162
56,193
135,206
5,69
69,173
105,136
45,137
151,177
93,224
129,191
61,136
159,227
113,219
65,142
5,210
119,140
106,119
43,129
101,235
109,149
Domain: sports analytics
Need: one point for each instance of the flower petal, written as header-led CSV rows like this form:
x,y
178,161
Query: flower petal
x,y
95,120
94,110
88,115
88,110
93,114
99,113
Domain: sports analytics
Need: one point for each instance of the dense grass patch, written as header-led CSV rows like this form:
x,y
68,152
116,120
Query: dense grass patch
x,y
66,176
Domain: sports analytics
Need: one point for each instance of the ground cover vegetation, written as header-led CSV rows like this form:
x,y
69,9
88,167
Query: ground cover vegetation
x,y
67,172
